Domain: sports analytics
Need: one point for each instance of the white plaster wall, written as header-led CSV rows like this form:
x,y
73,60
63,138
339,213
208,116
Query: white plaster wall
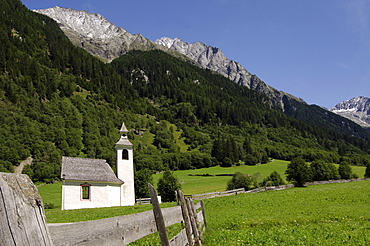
x,y
125,172
101,195
114,198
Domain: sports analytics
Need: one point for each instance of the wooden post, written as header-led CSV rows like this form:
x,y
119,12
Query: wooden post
x,y
161,227
22,217
195,215
203,213
185,215
193,222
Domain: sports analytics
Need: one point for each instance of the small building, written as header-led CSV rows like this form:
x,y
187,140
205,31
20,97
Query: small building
x,y
91,183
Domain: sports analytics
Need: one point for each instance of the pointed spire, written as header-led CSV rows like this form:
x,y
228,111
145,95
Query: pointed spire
x,y
123,129
123,141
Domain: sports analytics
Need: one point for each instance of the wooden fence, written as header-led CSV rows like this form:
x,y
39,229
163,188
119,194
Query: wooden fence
x,y
22,218
23,222
216,194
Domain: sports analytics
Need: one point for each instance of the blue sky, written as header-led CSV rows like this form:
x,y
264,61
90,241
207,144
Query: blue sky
x,y
318,50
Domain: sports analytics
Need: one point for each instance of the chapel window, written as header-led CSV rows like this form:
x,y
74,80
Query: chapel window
x,y
125,154
85,190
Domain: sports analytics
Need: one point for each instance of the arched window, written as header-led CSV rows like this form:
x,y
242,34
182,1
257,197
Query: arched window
x,y
85,191
125,154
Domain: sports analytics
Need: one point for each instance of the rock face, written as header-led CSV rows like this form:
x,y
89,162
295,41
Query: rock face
x,y
356,109
97,35
214,59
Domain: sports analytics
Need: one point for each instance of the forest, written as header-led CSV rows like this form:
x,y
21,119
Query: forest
x,y
58,100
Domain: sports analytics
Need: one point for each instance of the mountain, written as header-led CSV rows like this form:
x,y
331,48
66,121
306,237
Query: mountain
x,y
214,59
97,35
356,109
57,99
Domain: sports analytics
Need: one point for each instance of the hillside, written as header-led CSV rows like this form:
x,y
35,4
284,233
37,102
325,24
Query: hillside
x,y
102,38
58,100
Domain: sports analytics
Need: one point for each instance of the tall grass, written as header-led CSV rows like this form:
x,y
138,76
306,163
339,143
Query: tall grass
x,y
333,214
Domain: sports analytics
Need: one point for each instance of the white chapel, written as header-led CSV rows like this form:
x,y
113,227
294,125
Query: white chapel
x,y
91,183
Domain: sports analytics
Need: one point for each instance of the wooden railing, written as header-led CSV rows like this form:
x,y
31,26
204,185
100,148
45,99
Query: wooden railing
x,y
122,230
216,194
22,221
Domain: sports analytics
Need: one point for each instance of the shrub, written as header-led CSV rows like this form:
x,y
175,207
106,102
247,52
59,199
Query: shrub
x,y
298,172
321,170
345,170
274,179
240,180
167,186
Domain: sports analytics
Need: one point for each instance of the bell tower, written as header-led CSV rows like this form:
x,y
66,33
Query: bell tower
x,y
125,167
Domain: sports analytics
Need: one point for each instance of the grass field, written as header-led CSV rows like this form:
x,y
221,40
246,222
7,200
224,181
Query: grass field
x,y
203,184
333,214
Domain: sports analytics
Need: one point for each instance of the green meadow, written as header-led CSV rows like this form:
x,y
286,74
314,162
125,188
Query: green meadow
x,y
332,214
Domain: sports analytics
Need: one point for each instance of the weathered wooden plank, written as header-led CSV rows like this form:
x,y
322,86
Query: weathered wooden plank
x,y
193,222
158,216
203,214
120,230
185,216
21,212
180,239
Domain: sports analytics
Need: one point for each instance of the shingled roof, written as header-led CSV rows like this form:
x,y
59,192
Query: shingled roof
x,y
88,170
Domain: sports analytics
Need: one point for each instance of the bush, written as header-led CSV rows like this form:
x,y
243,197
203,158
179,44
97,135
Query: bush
x,y
298,172
345,170
321,170
167,186
240,180
274,179
367,172
142,178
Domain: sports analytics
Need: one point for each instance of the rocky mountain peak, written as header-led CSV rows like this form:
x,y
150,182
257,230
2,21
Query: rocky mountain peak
x,y
95,33
356,109
213,58
86,24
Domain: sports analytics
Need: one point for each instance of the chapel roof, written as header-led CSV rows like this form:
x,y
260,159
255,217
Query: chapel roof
x,y
86,169
123,128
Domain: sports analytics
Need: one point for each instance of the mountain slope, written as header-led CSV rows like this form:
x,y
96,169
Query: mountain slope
x,y
96,34
102,38
213,58
356,109
56,99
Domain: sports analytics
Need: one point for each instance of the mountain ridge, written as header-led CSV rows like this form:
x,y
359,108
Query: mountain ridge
x,y
94,33
108,47
213,58
356,109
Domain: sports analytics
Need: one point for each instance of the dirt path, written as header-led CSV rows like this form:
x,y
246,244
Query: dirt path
x,y
19,168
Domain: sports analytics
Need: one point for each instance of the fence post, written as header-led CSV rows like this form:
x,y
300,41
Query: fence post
x,y
203,213
161,227
195,215
22,216
185,215
193,222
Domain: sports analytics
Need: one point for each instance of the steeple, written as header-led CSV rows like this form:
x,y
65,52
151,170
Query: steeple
x,y
123,141
125,167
